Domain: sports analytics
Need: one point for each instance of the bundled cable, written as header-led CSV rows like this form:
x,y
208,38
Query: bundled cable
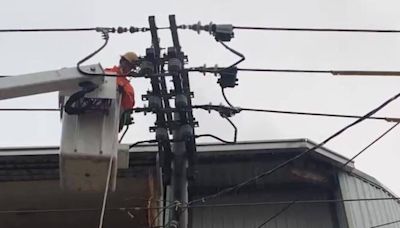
x,y
77,104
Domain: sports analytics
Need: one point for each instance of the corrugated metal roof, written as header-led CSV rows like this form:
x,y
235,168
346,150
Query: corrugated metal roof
x,y
367,213
299,216
354,185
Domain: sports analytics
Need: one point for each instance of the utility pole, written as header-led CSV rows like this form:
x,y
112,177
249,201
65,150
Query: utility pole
x,y
176,160
184,145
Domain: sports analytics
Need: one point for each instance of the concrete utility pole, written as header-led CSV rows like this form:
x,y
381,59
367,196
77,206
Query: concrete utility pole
x,y
184,143
176,163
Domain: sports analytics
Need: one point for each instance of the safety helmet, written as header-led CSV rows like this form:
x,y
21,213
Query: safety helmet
x,y
131,57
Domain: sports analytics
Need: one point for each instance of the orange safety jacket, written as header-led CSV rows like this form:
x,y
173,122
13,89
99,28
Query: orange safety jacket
x,y
128,93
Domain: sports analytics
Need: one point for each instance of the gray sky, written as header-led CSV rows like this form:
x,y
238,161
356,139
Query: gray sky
x,y
25,53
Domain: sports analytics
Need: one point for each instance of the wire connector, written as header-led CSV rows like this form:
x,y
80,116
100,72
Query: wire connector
x,y
228,77
221,32
224,111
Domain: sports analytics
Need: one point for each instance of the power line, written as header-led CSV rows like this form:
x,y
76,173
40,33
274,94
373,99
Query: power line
x,y
235,110
50,30
291,29
238,109
131,29
74,210
371,144
285,163
386,224
344,165
317,114
333,72
30,109
276,214
275,203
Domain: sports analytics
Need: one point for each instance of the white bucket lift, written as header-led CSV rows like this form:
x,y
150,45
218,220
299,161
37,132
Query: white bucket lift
x,y
89,143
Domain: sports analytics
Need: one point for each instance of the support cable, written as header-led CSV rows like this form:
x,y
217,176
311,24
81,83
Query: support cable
x,y
285,163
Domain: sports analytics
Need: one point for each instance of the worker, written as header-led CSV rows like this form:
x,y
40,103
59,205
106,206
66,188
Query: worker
x,y
127,63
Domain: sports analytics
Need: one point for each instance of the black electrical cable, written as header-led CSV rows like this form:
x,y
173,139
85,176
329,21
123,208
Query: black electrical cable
x,y
369,145
274,203
317,29
342,167
242,57
123,134
106,37
226,98
235,129
238,109
30,109
75,210
285,163
333,72
215,137
142,142
276,214
386,224
317,114
50,30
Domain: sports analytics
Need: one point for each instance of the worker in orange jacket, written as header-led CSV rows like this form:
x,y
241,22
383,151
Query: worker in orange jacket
x,y
127,63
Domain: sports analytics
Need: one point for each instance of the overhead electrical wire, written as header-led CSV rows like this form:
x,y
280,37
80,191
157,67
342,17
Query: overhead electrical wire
x,y
49,30
30,109
131,29
275,203
386,224
333,72
287,162
281,211
292,29
139,208
371,144
388,119
342,167
239,109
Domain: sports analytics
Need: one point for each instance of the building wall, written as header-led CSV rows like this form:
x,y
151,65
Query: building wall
x,y
367,213
298,216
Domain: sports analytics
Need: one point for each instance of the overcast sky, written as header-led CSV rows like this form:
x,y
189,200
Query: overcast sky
x,y
25,53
